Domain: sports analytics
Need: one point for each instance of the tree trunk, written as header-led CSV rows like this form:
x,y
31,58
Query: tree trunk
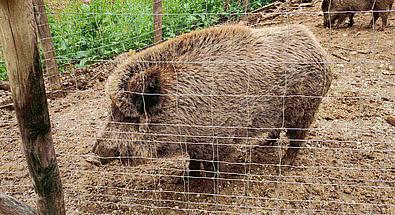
x,y
24,71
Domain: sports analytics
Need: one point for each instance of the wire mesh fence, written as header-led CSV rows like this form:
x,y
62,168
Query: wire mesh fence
x,y
345,165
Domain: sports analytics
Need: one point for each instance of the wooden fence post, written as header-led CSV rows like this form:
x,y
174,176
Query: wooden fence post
x,y
22,57
44,34
226,5
246,4
157,21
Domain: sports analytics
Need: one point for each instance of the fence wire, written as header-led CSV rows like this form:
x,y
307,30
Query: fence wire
x,y
345,164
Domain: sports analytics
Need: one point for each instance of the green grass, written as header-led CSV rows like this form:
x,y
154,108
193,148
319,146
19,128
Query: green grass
x,y
188,15
3,70
86,33
83,34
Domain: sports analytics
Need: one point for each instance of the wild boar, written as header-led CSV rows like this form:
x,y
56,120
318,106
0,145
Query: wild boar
x,y
339,10
207,90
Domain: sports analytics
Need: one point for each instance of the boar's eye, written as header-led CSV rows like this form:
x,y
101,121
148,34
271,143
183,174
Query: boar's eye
x,y
147,103
146,88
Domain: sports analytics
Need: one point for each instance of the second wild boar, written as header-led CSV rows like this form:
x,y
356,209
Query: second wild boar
x,y
339,10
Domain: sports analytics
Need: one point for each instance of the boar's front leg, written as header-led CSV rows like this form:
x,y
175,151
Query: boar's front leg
x,y
203,155
194,166
211,168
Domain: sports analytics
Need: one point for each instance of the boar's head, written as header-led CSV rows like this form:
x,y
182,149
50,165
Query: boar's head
x,y
133,103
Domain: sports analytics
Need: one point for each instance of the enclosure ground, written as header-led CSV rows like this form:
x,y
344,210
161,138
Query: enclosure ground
x,y
346,167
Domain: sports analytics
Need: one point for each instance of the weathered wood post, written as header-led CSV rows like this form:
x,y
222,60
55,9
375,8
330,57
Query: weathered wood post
x,y
226,5
44,34
27,86
246,4
157,21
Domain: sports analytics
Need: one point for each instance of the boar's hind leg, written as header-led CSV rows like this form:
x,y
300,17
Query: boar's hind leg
x,y
384,19
373,21
351,17
299,114
340,20
296,137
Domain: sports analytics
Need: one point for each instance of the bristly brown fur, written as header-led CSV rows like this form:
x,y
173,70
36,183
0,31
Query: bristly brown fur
x,y
211,87
171,50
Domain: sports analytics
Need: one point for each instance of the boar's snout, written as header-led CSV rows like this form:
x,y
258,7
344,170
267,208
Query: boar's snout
x,y
105,146
114,141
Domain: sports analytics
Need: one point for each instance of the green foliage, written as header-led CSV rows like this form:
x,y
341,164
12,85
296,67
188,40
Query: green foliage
x,y
85,33
187,15
3,71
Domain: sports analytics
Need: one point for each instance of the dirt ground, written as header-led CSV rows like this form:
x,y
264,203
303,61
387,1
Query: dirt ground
x,y
347,166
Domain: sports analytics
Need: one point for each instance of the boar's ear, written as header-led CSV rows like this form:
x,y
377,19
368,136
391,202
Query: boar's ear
x,y
145,89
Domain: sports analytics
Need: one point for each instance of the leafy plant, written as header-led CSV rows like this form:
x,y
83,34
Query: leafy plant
x,y
86,33
3,72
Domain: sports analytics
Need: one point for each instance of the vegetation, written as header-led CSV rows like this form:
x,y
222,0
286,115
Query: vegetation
x,y
3,71
85,33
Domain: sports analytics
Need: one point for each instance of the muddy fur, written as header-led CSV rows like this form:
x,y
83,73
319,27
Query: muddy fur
x,y
339,10
206,90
